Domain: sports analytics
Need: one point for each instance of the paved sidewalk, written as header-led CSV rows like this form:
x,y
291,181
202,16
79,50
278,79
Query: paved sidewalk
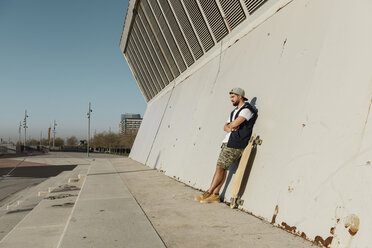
x,y
107,215
123,203
182,222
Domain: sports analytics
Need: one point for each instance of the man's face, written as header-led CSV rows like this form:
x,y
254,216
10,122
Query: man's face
x,y
235,99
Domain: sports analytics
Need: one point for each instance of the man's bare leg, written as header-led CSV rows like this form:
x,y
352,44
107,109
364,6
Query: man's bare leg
x,y
214,176
218,178
218,188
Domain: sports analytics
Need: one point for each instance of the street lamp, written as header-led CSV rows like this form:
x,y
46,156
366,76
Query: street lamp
x,y
88,114
54,133
19,136
25,126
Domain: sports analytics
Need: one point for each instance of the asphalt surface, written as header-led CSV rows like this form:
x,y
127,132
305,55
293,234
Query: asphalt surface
x,y
18,175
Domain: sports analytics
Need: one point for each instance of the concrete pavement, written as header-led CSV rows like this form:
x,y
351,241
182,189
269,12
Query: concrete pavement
x,y
107,215
123,203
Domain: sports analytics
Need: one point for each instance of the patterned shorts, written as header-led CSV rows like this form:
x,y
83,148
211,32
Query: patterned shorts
x,y
228,156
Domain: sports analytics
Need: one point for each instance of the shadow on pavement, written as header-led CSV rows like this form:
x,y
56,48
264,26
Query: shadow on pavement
x,y
26,154
36,171
119,172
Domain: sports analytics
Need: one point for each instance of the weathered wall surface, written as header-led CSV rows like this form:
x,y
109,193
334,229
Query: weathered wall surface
x,y
309,66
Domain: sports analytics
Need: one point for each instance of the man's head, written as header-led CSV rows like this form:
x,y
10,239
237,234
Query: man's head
x,y
237,95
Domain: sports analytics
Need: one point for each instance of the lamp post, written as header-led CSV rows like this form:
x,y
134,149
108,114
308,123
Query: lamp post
x,y
25,127
19,136
54,134
88,143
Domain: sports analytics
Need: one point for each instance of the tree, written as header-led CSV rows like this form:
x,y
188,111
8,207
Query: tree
x,y
59,142
45,142
111,140
72,141
33,142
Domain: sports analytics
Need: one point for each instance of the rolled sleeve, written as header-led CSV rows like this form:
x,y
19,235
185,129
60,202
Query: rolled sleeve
x,y
246,113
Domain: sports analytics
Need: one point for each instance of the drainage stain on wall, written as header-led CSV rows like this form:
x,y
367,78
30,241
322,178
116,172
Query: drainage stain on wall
x,y
275,214
352,222
291,229
303,235
320,241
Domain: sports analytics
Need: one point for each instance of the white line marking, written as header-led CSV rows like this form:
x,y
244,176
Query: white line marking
x,y
72,211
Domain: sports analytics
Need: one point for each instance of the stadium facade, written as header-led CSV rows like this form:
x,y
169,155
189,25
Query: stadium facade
x,y
307,63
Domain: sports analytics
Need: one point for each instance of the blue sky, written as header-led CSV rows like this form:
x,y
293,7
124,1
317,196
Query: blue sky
x,y
55,57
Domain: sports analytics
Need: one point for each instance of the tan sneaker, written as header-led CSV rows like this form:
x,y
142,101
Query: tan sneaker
x,y
203,196
211,198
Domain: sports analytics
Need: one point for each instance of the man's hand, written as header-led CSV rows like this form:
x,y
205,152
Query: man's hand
x,y
227,128
236,123
234,128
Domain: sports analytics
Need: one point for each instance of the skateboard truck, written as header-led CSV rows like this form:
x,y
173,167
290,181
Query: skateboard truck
x,y
236,202
258,141
236,198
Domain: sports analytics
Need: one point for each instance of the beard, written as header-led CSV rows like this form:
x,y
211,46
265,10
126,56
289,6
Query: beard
x,y
235,103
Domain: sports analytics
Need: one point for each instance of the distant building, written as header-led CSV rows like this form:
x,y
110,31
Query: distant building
x,y
130,123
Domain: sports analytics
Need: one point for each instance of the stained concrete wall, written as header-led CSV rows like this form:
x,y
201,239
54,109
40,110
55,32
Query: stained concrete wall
x,y
309,65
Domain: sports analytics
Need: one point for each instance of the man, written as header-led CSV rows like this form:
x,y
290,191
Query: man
x,y
239,130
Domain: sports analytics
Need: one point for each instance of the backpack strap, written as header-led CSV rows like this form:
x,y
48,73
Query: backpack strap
x,y
231,116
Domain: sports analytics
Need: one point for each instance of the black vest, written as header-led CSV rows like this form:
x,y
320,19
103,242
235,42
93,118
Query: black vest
x,y
240,138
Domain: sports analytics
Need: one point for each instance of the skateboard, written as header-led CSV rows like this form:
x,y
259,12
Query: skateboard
x,y
236,198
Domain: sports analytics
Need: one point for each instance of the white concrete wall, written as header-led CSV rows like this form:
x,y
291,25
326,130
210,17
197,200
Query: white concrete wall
x,y
310,67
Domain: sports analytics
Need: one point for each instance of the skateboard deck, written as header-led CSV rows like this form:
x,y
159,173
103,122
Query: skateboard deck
x,y
235,198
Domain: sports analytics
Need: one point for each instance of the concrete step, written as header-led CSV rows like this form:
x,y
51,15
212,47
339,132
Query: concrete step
x,y
19,205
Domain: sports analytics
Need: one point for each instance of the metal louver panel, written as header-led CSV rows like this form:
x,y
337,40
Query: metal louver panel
x,y
160,38
139,70
168,35
142,72
150,53
253,5
187,29
137,75
199,24
156,47
145,57
214,18
168,13
233,11
145,69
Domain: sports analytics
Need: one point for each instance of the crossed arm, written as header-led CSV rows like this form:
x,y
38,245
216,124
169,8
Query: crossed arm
x,y
234,125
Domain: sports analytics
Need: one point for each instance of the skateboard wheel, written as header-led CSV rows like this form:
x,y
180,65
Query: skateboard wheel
x,y
258,141
233,203
240,202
